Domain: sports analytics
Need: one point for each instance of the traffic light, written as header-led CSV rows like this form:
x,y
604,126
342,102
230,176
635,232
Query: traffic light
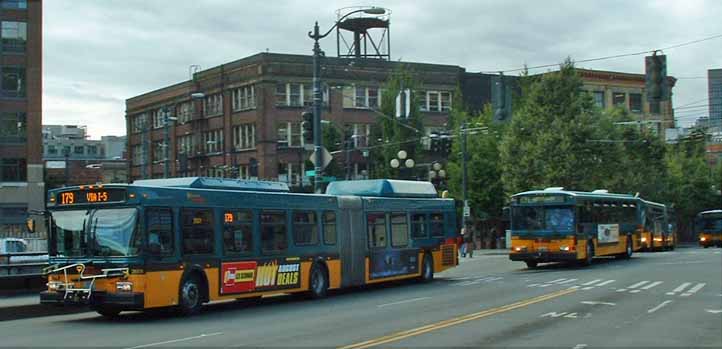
x,y
656,78
435,142
307,127
446,144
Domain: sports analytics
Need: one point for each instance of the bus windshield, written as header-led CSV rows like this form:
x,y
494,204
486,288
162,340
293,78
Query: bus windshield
x,y
560,219
711,224
102,232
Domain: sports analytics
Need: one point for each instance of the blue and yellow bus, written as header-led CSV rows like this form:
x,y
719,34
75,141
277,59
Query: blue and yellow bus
x,y
657,231
708,226
183,242
556,225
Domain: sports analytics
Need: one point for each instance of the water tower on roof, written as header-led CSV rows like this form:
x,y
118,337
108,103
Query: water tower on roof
x,y
363,34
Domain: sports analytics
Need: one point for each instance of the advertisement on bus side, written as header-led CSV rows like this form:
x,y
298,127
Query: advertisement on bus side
x,y
607,233
389,263
253,276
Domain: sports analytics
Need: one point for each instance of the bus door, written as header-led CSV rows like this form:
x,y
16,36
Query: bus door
x,y
162,271
352,240
390,254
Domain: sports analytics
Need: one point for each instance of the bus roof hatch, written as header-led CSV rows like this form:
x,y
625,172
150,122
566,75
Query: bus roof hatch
x,y
383,188
214,183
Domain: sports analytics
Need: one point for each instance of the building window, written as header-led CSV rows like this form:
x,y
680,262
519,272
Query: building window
x,y
158,152
13,127
238,232
185,144
14,35
305,228
78,149
619,99
14,4
51,150
138,122
244,98
244,137
363,97
92,150
297,95
13,170
66,150
213,105
137,154
290,134
635,102
598,98
184,112
292,174
361,134
213,141
157,117
13,82
435,101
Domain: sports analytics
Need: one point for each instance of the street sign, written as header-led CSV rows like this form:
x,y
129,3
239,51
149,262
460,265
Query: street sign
x,y
311,173
326,158
467,211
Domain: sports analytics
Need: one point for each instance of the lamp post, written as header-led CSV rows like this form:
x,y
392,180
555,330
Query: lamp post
x,y
401,156
317,144
166,139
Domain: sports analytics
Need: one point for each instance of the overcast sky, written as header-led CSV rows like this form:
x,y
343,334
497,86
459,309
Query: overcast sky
x,y
99,53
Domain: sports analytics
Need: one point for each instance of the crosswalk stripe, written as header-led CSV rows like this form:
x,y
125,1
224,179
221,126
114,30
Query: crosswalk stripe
x,y
588,288
679,288
566,282
557,280
606,283
638,284
591,282
651,285
693,290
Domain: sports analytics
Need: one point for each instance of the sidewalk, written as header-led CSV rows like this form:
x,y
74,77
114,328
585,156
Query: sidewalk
x,y
491,252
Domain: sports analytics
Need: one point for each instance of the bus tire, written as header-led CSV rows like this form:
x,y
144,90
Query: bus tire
x,y
190,297
108,312
531,264
318,282
590,254
427,269
628,251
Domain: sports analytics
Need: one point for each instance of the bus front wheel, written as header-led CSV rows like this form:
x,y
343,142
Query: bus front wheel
x,y
318,283
427,273
531,264
190,296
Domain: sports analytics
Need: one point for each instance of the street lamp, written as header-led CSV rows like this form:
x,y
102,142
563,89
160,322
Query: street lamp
x,y
401,156
316,35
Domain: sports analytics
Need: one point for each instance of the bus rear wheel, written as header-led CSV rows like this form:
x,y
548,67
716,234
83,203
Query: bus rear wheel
x,y
427,271
531,264
318,282
590,254
190,296
108,312
628,250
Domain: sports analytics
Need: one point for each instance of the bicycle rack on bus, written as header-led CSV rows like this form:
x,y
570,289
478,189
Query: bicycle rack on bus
x,y
69,286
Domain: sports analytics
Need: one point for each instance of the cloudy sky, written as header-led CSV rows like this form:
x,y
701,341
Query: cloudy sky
x,y
97,53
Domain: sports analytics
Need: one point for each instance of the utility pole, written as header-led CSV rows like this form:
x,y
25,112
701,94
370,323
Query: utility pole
x,y
464,173
317,110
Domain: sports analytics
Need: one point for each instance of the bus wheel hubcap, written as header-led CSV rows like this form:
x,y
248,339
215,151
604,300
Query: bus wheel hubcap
x,y
190,293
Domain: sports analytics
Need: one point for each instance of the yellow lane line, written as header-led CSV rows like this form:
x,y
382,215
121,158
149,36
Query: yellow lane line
x,y
455,321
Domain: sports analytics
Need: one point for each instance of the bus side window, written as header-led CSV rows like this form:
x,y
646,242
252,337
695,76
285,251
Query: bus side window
x,y
274,232
160,231
197,231
329,228
418,226
376,225
437,225
305,228
237,231
399,230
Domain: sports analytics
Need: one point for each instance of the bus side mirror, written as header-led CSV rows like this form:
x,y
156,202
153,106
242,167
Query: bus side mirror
x,y
30,225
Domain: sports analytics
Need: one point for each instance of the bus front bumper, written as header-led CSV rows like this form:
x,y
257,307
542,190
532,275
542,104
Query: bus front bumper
x,y
126,301
543,257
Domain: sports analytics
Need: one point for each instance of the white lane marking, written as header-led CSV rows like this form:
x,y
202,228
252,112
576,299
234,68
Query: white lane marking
x,y
638,284
533,285
658,307
693,290
580,346
606,283
635,291
622,290
588,288
495,278
557,280
566,282
598,303
679,289
402,302
681,263
177,340
652,285
713,311
591,282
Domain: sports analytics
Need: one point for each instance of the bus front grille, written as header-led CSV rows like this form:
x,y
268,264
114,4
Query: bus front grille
x,y
448,255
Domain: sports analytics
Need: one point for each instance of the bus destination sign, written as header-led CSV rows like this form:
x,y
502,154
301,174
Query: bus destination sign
x,y
92,196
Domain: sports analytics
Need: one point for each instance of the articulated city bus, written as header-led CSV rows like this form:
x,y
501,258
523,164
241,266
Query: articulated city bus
x,y
657,231
556,225
186,241
709,228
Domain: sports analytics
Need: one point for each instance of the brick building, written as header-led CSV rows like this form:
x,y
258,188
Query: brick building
x,y
250,112
21,166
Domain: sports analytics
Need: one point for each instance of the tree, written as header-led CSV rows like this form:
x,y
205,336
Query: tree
x,y
551,138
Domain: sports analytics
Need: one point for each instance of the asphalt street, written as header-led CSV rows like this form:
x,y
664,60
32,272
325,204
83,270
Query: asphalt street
x,y
663,299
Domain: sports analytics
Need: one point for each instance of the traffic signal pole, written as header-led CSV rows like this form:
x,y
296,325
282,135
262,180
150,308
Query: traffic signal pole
x,y
464,172
317,110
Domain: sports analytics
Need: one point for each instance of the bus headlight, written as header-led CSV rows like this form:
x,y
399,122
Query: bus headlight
x,y
520,248
55,286
703,239
644,239
124,286
564,248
